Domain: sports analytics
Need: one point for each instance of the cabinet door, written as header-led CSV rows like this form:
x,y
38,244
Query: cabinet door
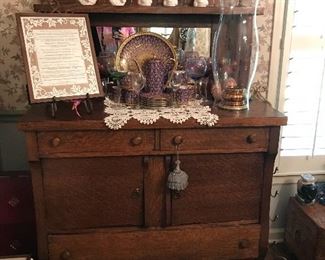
x,y
93,192
222,188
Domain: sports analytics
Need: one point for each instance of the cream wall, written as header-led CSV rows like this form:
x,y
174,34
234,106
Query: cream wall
x,y
13,95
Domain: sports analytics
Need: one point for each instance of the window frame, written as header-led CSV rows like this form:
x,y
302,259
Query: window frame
x,y
280,51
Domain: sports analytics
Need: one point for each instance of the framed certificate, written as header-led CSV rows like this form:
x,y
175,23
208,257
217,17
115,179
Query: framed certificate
x,y
59,57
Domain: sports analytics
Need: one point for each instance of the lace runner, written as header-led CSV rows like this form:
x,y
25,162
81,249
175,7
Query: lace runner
x,y
120,114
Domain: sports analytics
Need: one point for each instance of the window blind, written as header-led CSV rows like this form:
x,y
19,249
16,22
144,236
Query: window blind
x,y
304,94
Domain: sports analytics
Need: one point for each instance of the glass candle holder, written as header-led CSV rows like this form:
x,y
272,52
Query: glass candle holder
x,y
235,56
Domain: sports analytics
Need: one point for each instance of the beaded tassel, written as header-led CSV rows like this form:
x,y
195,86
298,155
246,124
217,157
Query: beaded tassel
x,y
177,179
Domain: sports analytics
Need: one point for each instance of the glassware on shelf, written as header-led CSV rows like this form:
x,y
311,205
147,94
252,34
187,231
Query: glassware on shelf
x,y
177,78
203,89
196,68
234,57
138,82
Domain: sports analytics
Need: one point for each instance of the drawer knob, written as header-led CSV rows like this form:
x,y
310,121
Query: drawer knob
x,y
136,140
65,255
251,139
136,193
178,140
56,141
244,243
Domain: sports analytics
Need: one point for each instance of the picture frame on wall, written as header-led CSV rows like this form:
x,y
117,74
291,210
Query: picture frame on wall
x,y
59,57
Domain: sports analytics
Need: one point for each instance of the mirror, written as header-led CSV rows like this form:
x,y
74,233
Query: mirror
x,y
108,39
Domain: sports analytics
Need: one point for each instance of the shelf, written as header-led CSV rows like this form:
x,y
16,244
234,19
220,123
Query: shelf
x,y
186,10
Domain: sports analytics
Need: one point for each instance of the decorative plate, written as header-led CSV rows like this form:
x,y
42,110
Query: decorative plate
x,y
140,48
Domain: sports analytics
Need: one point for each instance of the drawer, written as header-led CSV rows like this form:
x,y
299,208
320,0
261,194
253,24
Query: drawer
x,y
16,200
90,142
222,188
17,239
216,140
85,193
239,242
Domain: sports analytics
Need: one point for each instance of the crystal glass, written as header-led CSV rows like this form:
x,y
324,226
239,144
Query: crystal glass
x,y
196,68
177,78
234,57
138,82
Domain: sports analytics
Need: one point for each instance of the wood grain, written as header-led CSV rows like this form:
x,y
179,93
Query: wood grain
x,y
92,184
108,9
266,187
38,119
221,188
110,142
218,140
96,192
201,242
154,192
305,230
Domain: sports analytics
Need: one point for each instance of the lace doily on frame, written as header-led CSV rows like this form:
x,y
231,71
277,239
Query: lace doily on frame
x,y
119,115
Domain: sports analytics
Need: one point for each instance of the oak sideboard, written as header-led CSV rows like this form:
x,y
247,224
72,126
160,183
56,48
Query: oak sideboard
x,y
102,194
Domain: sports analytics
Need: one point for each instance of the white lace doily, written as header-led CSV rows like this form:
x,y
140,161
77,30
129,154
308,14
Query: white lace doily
x,y
120,114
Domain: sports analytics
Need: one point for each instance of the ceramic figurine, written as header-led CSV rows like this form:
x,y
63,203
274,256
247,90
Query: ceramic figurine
x,y
201,3
145,2
87,2
170,2
117,2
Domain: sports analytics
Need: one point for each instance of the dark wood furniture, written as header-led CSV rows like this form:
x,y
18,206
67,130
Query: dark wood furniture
x,y
305,230
102,194
17,217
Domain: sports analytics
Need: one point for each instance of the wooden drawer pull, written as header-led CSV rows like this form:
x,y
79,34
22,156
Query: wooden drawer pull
x,y
178,140
65,255
136,140
56,141
244,243
251,139
136,193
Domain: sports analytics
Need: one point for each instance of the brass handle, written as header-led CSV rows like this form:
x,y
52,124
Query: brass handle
x,y
178,140
56,141
251,139
136,140
65,255
244,243
136,193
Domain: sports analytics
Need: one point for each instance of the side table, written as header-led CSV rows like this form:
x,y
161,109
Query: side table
x,y
305,230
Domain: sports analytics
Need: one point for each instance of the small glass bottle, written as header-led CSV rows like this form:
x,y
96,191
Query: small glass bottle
x,y
306,189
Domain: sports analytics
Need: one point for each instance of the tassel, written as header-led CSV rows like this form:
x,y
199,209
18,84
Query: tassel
x,y
177,179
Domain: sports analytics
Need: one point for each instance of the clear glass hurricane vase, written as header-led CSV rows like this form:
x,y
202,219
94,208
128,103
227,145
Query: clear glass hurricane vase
x,y
235,54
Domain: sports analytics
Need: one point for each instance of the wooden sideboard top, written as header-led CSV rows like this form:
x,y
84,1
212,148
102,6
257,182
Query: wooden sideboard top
x,y
314,212
38,118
